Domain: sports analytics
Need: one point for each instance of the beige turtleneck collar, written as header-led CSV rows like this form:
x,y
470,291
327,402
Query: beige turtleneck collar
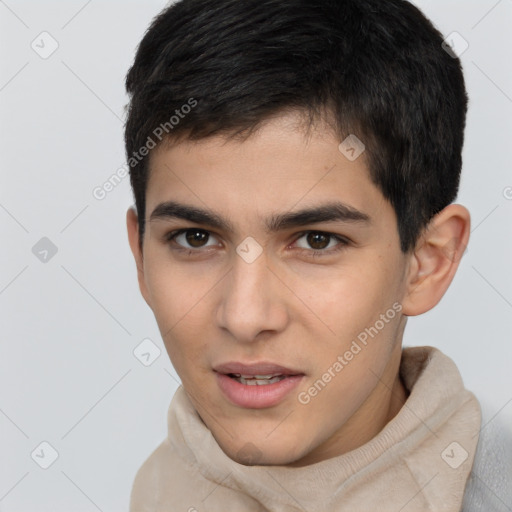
x,y
420,461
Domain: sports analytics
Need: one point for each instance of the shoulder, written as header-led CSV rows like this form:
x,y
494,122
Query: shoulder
x,y
162,474
489,486
147,480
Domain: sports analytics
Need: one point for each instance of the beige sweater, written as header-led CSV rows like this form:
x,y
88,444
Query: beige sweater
x,y
420,461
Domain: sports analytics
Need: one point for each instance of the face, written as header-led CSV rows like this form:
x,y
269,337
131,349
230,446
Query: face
x,y
277,257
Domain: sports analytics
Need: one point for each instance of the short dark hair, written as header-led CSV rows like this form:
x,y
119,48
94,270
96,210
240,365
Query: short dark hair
x,y
376,68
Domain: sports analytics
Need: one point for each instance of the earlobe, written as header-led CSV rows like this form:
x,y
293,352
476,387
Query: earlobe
x,y
436,259
132,225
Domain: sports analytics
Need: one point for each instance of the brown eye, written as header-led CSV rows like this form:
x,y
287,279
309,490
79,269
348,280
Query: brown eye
x,y
196,238
192,238
318,241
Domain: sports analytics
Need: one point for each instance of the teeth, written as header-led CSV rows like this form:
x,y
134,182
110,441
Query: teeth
x,y
260,376
258,380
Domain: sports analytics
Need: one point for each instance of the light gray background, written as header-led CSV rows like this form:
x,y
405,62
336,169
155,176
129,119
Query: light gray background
x,y
68,375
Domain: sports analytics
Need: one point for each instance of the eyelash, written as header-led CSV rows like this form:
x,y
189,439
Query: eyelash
x,y
315,253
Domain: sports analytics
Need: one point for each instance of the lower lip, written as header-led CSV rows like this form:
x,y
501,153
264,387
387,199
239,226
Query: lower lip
x,y
257,397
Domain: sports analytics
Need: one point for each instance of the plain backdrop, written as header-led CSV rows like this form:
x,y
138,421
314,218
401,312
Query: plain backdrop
x,y
71,312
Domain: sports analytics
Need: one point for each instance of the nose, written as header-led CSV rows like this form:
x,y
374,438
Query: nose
x,y
253,301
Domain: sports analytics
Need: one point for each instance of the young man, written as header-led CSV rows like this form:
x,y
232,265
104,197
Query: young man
x,y
294,164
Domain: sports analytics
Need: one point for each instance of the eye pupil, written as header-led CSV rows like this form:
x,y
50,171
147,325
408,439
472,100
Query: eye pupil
x,y
318,240
196,238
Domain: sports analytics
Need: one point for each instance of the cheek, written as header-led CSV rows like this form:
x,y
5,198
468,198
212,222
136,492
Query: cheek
x,y
346,301
175,290
179,300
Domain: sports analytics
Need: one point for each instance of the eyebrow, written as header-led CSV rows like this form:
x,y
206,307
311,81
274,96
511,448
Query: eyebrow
x,y
329,212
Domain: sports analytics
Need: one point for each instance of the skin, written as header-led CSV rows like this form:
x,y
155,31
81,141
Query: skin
x,y
288,306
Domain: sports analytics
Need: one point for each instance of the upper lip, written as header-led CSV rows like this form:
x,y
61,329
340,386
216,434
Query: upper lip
x,y
261,368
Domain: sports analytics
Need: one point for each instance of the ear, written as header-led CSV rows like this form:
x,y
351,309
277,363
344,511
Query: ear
x,y
436,258
132,225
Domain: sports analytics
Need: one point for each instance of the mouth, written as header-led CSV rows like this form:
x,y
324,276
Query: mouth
x,y
257,385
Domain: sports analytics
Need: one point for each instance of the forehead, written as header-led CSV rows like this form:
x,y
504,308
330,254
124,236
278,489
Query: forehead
x,y
280,167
